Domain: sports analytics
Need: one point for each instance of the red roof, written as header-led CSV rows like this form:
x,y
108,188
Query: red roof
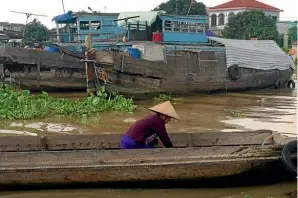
x,y
248,4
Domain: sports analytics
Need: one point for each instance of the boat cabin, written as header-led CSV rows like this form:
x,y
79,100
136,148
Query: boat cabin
x,y
74,27
110,28
159,27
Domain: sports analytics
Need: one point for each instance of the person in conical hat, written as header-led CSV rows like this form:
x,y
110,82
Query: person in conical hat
x,y
144,133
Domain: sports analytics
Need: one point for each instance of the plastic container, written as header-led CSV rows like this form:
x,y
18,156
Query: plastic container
x,y
157,37
134,53
51,49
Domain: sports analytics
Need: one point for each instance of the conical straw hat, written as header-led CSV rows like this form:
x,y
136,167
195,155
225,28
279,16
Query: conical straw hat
x,y
165,108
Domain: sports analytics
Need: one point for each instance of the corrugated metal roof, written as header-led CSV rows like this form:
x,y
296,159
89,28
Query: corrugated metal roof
x,y
144,17
255,54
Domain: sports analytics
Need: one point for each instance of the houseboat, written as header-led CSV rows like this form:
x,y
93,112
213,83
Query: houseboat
x,y
70,159
148,52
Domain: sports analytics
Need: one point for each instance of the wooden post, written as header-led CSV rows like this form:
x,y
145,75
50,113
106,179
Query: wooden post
x,y
87,78
38,72
286,40
58,34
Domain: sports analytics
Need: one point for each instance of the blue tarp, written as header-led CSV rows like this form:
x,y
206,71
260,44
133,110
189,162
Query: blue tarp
x,y
209,33
65,18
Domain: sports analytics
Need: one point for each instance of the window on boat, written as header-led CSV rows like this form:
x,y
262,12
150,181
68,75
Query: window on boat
x,y
168,25
176,25
184,26
192,27
200,27
84,25
95,25
221,19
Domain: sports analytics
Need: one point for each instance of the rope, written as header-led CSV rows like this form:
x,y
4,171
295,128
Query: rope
x,y
102,74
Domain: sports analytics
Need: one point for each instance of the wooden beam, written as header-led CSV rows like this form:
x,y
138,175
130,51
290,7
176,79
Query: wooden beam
x,y
112,141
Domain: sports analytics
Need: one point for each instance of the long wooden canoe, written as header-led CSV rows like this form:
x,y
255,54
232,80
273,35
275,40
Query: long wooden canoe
x,y
97,158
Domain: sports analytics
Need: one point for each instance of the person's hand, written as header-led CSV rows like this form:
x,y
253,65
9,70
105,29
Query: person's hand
x,y
160,144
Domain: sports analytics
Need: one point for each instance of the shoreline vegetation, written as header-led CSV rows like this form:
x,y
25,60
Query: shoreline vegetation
x,y
22,105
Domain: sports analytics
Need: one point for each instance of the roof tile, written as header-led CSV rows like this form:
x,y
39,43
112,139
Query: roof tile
x,y
244,4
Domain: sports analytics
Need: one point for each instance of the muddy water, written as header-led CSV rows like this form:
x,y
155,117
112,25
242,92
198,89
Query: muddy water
x,y
265,109
270,191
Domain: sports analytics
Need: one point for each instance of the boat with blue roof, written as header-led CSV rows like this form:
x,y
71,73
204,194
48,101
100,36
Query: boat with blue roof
x,y
146,52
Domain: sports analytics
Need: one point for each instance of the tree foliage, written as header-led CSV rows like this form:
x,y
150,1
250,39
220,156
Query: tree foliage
x,y
84,12
251,24
35,30
197,8
292,33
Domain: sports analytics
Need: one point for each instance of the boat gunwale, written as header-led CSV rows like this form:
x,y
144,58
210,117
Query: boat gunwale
x,y
111,141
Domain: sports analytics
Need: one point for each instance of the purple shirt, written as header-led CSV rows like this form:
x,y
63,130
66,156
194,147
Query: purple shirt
x,y
149,126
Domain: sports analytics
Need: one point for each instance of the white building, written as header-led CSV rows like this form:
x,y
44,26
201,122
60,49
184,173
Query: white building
x,y
219,15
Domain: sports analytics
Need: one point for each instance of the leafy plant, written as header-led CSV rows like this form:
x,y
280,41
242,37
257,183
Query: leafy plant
x,y
286,50
36,30
23,105
197,8
250,24
163,97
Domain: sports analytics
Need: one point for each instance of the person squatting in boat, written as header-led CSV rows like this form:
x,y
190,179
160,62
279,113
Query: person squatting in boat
x,y
144,133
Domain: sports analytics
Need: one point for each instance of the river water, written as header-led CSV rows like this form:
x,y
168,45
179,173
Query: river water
x,y
273,109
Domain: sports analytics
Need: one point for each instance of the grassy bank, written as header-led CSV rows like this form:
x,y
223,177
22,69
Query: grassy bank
x,y
24,105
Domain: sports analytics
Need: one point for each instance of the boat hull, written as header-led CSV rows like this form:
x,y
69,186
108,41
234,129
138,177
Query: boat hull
x,y
181,72
185,72
87,172
97,158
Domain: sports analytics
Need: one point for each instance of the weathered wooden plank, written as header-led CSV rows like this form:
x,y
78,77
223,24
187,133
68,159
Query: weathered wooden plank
x,y
280,139
226,139
19,143
100,165
140,67
180,139
70,142
103,141
112,141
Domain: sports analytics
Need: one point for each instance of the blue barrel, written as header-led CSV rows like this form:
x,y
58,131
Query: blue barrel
x,y
134,53
51,49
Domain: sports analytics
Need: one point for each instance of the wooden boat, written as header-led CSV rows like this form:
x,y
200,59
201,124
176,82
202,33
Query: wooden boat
x,y
97,158
183,59
42,70
201,69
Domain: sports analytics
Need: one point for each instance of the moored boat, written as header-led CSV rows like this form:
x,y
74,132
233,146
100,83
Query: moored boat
x,y
163,54
97,158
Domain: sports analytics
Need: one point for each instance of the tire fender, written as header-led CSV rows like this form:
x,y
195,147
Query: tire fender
x,y
234,72
286,153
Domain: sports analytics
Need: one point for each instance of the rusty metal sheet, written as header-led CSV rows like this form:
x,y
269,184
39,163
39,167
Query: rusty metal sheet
x,y
20,143
229,139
